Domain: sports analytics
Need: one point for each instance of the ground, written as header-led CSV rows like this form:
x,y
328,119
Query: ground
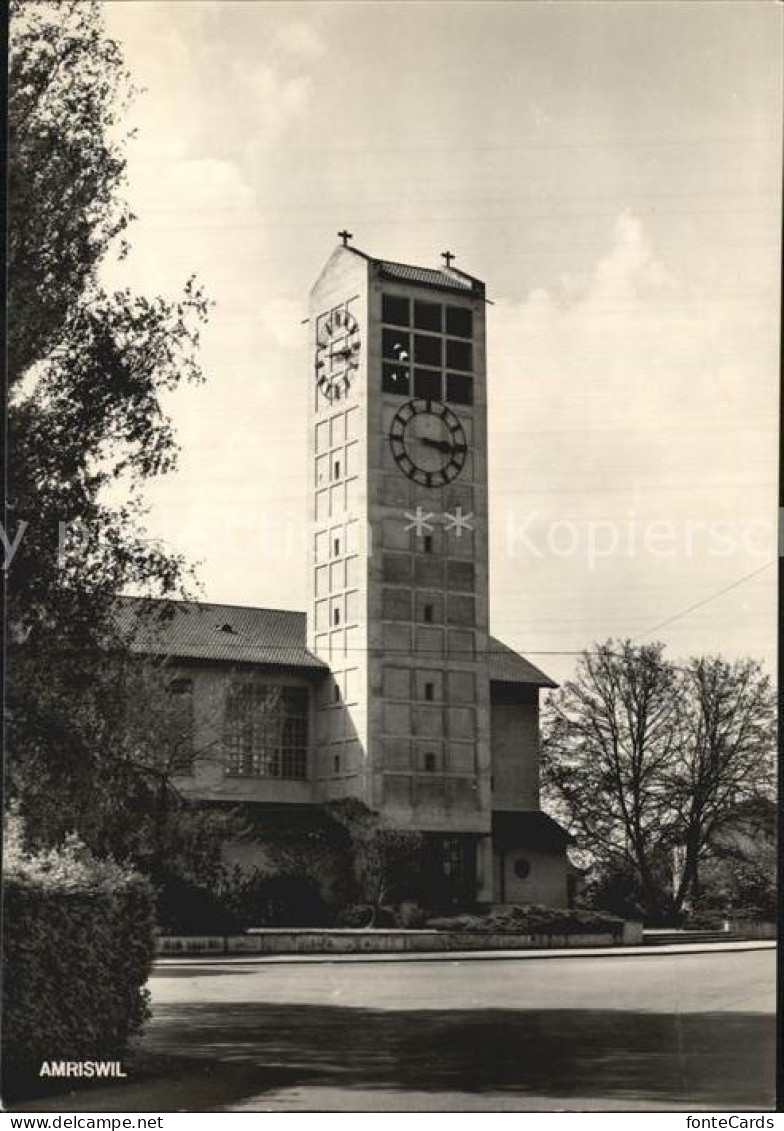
x,y
648,1031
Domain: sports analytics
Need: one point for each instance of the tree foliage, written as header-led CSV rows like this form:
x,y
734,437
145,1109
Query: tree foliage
x,y
647,761
88,373
384,858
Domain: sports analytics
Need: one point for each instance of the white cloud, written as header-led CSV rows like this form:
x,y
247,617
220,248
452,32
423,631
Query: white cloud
x,y
627,395
300,40
275,100
630,340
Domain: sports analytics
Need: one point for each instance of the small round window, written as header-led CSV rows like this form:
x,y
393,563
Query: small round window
x,y
522,868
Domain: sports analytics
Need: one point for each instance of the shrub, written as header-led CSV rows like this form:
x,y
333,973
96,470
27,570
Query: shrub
x,y
531,920
364,915
259,899
411,916
186,908
354,915
78,946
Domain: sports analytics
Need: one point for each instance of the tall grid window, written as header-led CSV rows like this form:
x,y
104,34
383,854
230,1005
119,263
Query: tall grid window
x,y
266,731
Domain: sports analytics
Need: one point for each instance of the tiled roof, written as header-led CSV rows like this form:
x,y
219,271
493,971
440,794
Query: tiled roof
x,y
203,631
240,634
508,666
456,281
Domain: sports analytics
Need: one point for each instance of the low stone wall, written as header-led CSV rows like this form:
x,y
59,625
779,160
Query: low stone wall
x,y
348,941
752,929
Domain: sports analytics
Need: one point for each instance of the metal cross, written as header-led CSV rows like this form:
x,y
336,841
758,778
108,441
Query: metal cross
x,y
346,236
447,257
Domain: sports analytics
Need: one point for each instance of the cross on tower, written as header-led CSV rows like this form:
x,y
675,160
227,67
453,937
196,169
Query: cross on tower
x,y
346,236
447,257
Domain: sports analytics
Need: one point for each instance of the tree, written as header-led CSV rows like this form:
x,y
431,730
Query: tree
x,y
384,858
86,372
609,739
725,755
646,761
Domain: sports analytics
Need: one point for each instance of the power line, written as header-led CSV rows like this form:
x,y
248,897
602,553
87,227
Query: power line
x,y
707,600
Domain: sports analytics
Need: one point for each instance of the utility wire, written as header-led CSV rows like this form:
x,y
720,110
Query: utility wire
x,y
707,600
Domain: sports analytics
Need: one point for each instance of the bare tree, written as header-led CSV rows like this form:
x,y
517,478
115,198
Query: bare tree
x,y
610,741
646,762
725,756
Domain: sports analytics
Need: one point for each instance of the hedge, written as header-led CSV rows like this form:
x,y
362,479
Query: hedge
x,y
78,947
532,920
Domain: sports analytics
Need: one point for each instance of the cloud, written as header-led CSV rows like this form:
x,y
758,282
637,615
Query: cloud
x,y
299,40
627,340
275,100
627,395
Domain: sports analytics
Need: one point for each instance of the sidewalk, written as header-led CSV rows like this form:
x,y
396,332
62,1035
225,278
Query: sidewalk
x,y
469,955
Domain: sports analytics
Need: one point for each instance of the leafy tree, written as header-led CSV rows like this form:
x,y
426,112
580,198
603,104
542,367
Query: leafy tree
x,y
343,851
646,762
384,858
87,369
740,883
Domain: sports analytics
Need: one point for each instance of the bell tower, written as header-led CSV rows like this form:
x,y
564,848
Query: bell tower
x,y
397,564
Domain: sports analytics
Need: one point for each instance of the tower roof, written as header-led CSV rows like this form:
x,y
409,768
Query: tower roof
x,y
438,278
444,278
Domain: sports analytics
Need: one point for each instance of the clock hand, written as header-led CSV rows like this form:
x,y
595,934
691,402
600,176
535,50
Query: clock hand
x,y
441,445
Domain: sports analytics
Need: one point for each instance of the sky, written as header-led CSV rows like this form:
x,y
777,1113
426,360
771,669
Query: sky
x,y
611,171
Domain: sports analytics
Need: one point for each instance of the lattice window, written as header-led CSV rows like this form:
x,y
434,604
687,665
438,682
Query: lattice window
x,y
266,731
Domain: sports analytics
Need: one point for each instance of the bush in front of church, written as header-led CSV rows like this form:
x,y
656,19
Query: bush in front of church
x,y
531,920
264,899
78,947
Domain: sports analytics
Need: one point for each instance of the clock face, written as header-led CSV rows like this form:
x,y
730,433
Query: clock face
x,y
428,442
337,354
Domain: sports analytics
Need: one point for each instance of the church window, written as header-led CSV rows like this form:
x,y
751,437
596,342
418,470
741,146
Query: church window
x,y
395,309
459,388
460,321
266,731
336,615
427,544
396,345
395,379
427,316
429,690
336,469
427,614
427,384
458,354
430,761
336,763
335,547
427,349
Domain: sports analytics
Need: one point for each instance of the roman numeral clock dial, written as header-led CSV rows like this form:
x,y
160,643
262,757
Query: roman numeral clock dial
x,y
428,442
337,354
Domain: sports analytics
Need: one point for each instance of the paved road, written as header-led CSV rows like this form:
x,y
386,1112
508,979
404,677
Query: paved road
x,y
650,1032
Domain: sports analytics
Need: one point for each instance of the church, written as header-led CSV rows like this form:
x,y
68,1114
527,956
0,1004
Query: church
x,y
389,687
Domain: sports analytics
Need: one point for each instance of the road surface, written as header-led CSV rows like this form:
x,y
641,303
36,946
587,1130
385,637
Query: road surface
x,y
649,1032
